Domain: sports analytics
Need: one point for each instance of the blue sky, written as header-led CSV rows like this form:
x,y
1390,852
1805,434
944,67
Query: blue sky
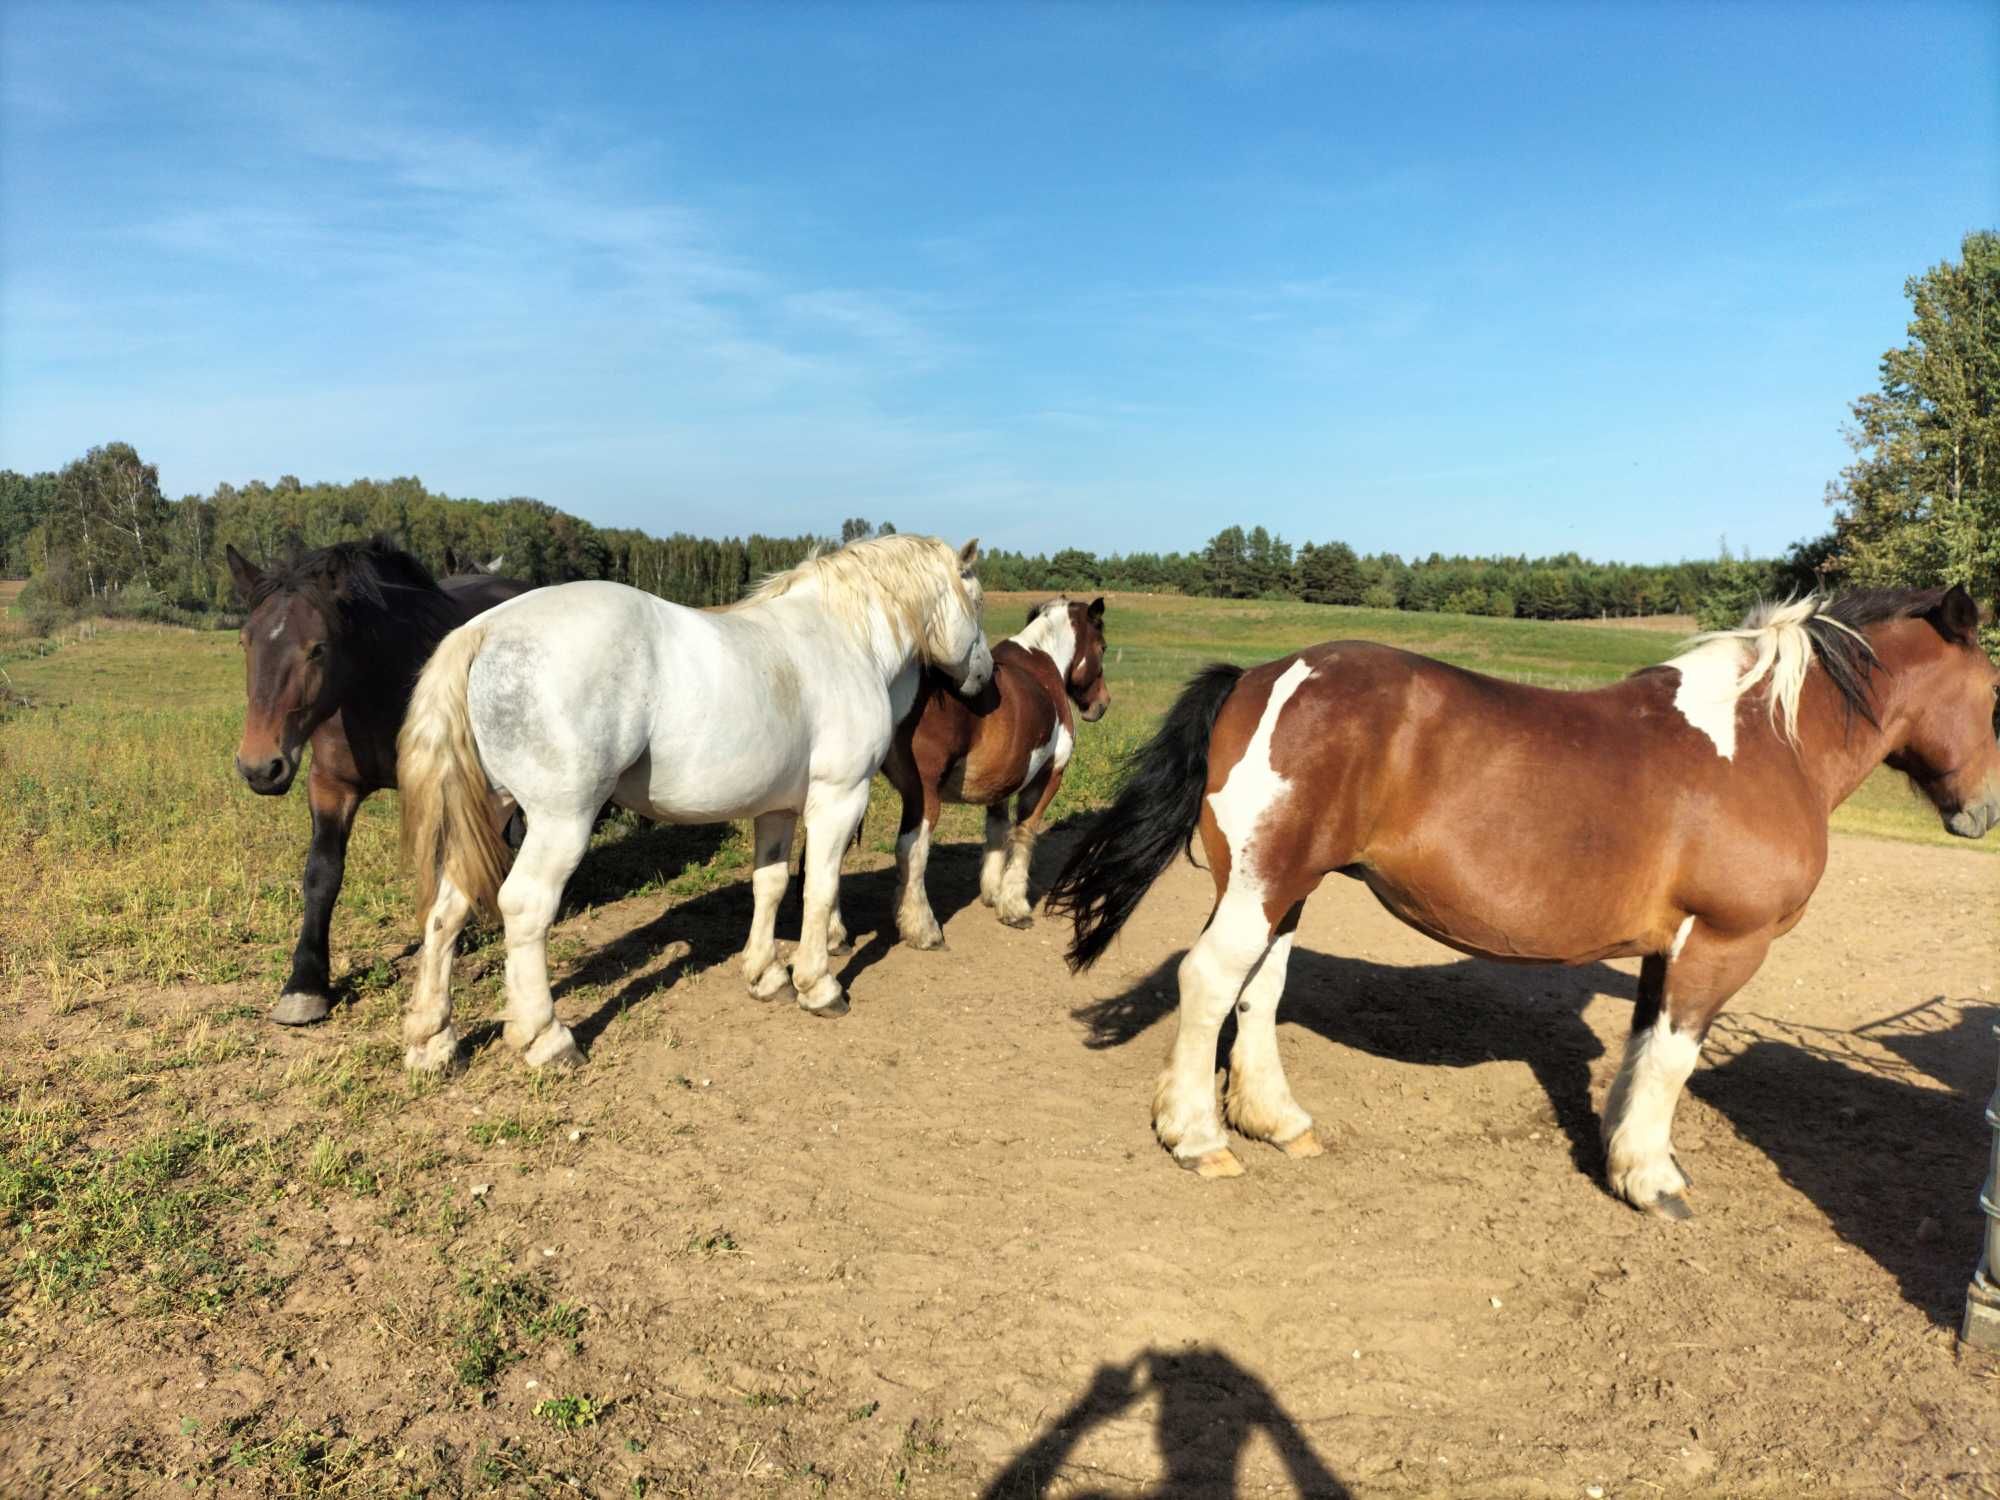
x,y
1497,278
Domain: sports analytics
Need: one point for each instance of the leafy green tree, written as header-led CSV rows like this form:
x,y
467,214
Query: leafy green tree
x,y
1074,568
855,528
1330,574
108,516
1920,504
1226,571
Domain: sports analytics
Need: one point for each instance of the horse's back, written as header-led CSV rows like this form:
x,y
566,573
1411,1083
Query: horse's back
x,y
982,750
1499,817
475,593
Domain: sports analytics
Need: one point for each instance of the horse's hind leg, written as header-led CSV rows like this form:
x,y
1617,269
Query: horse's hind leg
x,y
1679,994
431,1046
772,833
1185,1116
528,898
1259,1103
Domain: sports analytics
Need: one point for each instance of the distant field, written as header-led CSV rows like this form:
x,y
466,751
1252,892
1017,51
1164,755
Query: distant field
x,y
129,849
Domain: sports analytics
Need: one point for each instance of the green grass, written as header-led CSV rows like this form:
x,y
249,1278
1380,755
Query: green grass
x,y
131,852
504,1314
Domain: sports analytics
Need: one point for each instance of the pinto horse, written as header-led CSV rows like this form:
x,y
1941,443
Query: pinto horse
x,y
778,707
331,649
1015,737
1679,816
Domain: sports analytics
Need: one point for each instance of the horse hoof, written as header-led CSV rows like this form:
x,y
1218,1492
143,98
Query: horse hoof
x,y
1213,1164
1671,1206
926,942
844,946
782,991
1017,922
555,1052
298,1008
1302,1146
837,1006
439,1055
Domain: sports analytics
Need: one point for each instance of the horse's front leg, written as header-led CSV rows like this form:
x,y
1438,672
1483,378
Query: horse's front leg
x,y
773,838
1014,907
831,818
308,993
1679,993
916,923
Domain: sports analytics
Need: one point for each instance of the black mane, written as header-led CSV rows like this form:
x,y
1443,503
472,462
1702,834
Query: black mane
x,y
365,589
1845,655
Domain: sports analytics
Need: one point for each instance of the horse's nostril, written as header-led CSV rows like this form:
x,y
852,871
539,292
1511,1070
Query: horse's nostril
x,y
274,768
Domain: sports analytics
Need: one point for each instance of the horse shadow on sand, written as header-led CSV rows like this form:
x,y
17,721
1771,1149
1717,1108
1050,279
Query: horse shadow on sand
x,y
1458,1014
1893,1160
1892,1150
1209,1409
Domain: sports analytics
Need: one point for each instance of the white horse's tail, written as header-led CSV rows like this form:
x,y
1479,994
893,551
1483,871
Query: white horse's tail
x,y
448,824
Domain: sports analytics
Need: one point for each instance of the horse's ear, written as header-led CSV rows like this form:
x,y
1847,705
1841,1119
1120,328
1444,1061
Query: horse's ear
x,y
968,555
450,562
1956,616
246,573
498,558
1096,610
1034,613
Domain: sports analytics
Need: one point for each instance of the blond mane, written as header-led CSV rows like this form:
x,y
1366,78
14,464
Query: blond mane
x,y
905,580
1780,640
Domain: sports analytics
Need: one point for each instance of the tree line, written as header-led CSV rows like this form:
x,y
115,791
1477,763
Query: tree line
x,y
1918,506
99,534
1255,564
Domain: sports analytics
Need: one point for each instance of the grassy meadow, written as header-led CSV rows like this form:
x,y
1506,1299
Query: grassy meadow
x,y
131,853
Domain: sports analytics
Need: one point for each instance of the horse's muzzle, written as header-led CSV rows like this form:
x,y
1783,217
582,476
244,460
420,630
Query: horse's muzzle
x,y
1096,710
979,672
1974,821
269,778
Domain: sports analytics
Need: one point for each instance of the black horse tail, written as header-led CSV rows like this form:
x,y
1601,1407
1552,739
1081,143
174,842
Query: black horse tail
x,y
1158,807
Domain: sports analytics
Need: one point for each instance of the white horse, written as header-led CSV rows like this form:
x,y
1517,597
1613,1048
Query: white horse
x,y
567,698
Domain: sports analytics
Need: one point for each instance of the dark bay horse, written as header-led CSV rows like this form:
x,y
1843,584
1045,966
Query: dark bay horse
x,y
1014,738
332,646
1679,816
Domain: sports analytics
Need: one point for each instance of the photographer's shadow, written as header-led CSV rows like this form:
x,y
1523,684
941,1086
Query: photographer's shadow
x,y
1210,1408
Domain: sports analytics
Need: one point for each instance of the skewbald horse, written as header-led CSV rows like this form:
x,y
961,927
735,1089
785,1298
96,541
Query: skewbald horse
x,y
1014,738
1679,816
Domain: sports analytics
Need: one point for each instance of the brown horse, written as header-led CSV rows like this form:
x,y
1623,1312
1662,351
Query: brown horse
x,y
1679,816
331,648
1015,737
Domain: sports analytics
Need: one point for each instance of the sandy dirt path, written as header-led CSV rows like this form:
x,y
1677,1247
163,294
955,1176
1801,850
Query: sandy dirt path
x,y
949,1204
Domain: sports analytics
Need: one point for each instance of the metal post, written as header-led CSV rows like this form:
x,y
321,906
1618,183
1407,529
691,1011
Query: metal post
x,y
1982,1298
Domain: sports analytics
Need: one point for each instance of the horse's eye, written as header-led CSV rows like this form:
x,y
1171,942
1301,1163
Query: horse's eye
x,y
316,651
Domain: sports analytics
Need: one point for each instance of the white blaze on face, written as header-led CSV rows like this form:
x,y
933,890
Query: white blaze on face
x,y
1710,689
1253,785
